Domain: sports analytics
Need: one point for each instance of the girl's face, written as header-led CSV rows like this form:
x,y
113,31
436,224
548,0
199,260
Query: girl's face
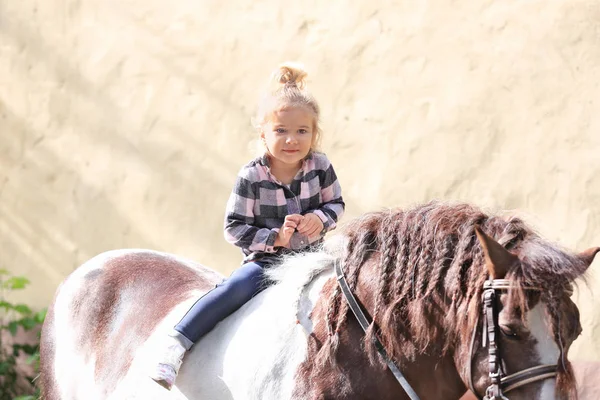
x,y
288,136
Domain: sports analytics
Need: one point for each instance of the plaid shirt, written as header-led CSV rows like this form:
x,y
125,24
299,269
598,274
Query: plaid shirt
x,y
259,203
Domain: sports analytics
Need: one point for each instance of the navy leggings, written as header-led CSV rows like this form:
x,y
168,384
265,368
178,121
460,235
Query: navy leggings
x,y
224,299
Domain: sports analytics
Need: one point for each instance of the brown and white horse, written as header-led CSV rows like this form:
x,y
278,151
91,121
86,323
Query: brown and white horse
x,y
419,273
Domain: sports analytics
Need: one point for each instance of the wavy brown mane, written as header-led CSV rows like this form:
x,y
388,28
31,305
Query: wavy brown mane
x,y
431,275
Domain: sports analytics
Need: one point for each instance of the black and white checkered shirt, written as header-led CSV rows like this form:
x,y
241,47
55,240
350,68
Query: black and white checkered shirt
x,y
259,203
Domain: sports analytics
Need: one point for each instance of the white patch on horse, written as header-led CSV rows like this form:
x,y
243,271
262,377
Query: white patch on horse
x,y
261,345
546,348
252,354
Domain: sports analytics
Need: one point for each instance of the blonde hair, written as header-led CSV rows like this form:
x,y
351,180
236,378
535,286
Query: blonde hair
x,y
287,90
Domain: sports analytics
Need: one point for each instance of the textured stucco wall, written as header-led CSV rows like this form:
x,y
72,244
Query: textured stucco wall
x,y
123,123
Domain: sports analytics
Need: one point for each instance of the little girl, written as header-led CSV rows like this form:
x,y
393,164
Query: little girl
x,y
284,201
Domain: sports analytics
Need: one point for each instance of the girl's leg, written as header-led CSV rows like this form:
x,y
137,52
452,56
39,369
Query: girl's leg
x,y
217,304
211,308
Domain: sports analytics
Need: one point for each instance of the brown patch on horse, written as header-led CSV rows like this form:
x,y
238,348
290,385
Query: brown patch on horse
x,y
46,381
421,271
339,380
121,304
336,376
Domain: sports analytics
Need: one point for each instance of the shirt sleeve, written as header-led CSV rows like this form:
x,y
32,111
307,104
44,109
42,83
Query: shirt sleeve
x,y
299,241
239,220
333,206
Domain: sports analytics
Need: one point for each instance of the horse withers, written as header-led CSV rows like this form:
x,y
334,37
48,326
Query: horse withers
x,y
453,298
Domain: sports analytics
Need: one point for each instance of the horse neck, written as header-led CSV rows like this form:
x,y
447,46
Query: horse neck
x,y
422,369
432,376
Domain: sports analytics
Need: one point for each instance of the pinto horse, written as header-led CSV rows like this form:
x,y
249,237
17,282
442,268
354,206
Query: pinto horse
x,y
453,298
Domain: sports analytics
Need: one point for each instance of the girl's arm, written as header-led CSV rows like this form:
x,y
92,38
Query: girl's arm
x,y
239,220
333,206
329,212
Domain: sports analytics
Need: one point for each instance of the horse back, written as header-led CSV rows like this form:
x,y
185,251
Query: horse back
x,y
105,310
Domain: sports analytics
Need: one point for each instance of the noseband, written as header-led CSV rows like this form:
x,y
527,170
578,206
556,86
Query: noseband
x,y
500,382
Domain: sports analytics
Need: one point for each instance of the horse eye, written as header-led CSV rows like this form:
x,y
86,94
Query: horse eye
x,y
509,332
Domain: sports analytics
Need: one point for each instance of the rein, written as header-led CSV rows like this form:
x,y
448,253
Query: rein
x,y
364,323
500,382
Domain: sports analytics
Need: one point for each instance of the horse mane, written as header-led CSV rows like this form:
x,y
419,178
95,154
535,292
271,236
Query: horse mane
x,y
430,278
299,269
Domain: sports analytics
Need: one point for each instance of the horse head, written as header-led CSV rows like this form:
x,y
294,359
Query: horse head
x,y
532,322
460,299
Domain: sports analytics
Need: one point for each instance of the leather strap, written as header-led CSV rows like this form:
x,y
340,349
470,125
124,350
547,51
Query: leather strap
x,y
529,375
364,323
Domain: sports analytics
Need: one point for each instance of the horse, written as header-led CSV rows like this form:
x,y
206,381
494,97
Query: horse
x,y
424,303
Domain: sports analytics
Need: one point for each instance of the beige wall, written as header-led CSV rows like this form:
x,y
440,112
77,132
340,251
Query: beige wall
x,y
123,123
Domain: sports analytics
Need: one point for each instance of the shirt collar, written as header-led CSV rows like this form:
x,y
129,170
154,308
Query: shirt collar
x,y
264,160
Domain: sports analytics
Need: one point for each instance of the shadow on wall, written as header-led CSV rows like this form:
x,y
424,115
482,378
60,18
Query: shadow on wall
x,y
39,193
54,199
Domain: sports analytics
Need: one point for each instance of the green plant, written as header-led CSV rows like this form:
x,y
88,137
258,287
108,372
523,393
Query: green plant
x,y
13,316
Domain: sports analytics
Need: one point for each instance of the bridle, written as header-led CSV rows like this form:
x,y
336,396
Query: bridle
x,y
500,382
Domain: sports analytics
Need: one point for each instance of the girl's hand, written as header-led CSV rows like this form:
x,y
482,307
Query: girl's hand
x,y
311,225
287,230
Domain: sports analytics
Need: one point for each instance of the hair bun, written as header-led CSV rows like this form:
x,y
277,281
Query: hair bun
x,y
292,74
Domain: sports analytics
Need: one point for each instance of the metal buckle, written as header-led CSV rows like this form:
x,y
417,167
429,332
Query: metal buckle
x,y
493,392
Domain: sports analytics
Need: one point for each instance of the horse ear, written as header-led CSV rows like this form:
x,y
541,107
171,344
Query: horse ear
x,y
498,260
588,255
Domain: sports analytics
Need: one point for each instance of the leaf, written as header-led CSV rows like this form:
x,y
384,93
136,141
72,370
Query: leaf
x,y
24,398
28,349
12,327
23,309
41,316
6,305
4,271
33,358
6,366
27,323
16,282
